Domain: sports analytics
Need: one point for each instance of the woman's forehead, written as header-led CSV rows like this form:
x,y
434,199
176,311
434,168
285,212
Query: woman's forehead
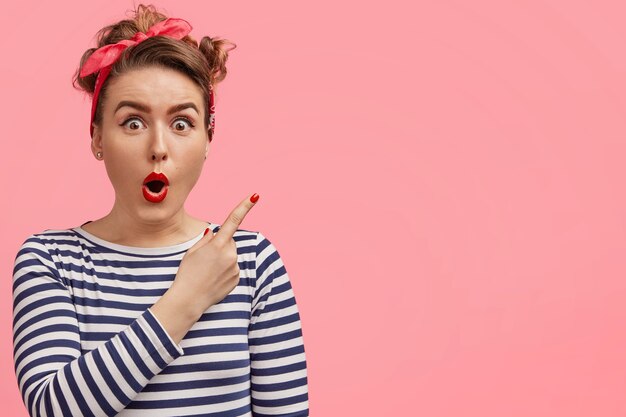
x,y
154,87
148,90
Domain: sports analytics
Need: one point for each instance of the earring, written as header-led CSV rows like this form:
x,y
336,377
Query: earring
x,y
99,155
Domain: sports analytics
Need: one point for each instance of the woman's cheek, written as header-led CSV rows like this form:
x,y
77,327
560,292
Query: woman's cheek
x,y
118,171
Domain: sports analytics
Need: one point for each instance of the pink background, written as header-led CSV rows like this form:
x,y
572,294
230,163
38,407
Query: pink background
x,y
443,179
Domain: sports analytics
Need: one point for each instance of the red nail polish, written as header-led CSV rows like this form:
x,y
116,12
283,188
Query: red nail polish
x,y
205,232
254,197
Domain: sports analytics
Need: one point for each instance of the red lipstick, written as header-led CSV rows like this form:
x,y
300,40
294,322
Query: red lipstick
x,y
155,187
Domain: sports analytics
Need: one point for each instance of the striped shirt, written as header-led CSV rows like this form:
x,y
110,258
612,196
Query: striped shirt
x,y
86,343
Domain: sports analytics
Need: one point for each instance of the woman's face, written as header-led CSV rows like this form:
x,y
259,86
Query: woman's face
x,y
152,121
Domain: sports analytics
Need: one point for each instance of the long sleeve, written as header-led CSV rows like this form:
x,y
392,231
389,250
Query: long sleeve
x,y
54,377
278,363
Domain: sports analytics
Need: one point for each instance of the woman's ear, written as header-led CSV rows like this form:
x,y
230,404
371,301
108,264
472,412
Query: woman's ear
x,y
96,141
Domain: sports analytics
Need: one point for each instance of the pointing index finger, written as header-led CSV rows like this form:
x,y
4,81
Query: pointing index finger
x,y
235,218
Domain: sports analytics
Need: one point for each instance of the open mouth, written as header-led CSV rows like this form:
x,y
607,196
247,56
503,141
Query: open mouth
x,y
155,187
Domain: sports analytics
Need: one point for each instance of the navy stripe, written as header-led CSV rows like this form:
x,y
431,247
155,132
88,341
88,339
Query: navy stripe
x,y
279,321
222,347
223,365
44,315
108,378
276,338
221,331
69,328
282,401
60,397
38,361
278,370
304,413
35,379
36,304
277,354
93,388
123,368
76,393
134,354
45,286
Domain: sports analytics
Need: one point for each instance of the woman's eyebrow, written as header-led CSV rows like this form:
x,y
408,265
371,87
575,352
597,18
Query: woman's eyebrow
x,y
146,109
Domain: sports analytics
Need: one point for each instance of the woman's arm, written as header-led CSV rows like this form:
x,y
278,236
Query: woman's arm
x,y
55,378
278,362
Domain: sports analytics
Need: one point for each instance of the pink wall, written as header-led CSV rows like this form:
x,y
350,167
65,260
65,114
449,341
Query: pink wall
x,y
443,180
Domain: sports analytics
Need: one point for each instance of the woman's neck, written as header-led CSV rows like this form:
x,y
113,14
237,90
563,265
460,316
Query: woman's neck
x,y
124,230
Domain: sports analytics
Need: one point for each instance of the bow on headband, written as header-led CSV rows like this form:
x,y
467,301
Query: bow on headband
x,y
102,59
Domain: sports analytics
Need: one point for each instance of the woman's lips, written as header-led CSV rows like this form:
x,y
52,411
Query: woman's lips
x,y
152,196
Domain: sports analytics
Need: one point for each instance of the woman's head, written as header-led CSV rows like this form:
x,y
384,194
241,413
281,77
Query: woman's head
x,y
204,63
152,114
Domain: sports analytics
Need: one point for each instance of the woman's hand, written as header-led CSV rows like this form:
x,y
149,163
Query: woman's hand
x,y
206,275
209,270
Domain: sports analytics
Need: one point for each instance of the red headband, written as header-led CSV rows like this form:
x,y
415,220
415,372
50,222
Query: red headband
x,y
102,59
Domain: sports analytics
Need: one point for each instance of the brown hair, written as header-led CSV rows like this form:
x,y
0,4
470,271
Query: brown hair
x,y
203,63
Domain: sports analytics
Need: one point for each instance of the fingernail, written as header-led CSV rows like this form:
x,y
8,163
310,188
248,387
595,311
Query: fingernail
x,y
206,231
254,197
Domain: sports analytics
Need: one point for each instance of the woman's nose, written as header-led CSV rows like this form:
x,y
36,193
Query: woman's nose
x,y
158,146
158,155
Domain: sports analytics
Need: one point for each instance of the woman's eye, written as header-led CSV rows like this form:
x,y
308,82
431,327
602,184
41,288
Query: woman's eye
x,y
135,123
179,124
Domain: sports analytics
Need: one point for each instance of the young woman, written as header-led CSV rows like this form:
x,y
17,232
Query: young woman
x,y
150,311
